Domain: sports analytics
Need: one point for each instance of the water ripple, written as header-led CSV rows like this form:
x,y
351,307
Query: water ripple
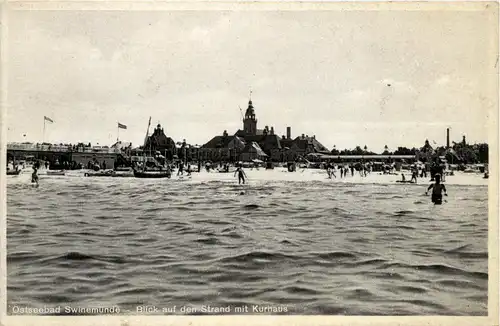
x,y
318,247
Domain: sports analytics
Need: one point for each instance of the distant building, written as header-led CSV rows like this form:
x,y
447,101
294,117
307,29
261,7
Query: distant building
x,y
250,143
158,141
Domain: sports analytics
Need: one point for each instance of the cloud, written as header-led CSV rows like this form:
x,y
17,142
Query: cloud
x,y
191,71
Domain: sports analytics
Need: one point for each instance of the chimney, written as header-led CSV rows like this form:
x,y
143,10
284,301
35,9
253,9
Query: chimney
x,y
303,136
463,140
447,137
283,137
288,132
272,130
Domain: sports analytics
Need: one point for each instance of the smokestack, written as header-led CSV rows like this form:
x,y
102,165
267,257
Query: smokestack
x,y
288,132
447,137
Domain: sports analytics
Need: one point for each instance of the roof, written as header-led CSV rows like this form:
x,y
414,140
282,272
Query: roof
x,y
121,145
286,142
250,110
242,133
271,142
253,146
236,142
219,142
305,142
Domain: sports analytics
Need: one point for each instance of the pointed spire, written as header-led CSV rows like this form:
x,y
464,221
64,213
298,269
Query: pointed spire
x,y
250,100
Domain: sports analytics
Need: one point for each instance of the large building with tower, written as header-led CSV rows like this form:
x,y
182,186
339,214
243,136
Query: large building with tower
x,y
251,143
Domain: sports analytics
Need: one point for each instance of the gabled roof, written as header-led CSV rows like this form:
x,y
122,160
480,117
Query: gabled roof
x,y
269,142
219,142
310,142
121,145
254,147
236,142
286,142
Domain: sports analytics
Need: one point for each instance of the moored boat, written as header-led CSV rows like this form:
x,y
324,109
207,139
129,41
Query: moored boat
x,y
62,173
15,172
152,174
109,173
122,174
123,169
103,173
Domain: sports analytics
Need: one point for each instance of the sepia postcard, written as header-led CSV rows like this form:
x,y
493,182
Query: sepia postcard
x,y
194,163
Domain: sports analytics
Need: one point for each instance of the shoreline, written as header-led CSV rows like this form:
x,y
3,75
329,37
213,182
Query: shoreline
x,y
262,175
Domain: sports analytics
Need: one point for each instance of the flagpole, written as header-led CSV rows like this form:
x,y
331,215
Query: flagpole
x,y
43,135
118,133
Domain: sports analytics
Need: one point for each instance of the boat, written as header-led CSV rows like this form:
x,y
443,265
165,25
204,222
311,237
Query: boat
x,y
158,172
15,172
122,174
62,173
152,174
103,173
123,169
109,173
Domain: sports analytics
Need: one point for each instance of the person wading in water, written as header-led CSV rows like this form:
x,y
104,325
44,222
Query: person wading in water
x,y
437,189
34,176
181,168
241,174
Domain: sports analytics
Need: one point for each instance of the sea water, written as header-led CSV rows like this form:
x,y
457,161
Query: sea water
x,y
298,242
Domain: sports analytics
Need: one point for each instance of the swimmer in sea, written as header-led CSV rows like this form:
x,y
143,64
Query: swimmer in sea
x,y
241,174
331,171
181,168
437,189
414,174
34,176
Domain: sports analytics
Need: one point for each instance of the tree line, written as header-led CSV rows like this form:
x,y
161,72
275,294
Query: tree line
x,y
460,152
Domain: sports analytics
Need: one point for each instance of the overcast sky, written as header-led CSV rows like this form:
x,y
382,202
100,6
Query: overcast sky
x,y
351,78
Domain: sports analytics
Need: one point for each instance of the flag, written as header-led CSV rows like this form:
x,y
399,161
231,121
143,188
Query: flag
x,y
120,126
48,119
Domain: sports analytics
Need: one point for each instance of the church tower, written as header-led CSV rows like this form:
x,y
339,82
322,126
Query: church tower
x,y
250,122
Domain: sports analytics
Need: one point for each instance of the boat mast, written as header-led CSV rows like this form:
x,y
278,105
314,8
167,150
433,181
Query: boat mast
x,y
144,147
